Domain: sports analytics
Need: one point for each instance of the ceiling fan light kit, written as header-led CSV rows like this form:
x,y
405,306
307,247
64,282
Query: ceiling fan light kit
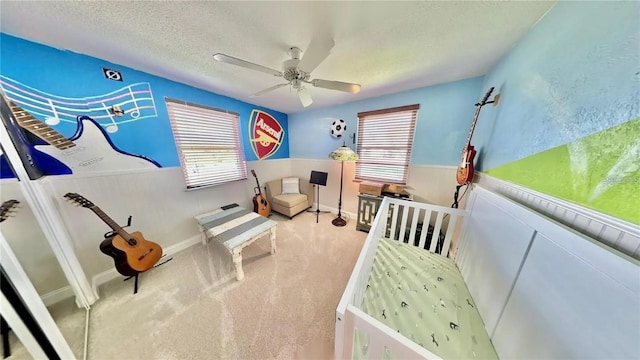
x,y
297,70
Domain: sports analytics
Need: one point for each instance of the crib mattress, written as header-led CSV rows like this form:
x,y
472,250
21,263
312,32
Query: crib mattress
x,y
423,296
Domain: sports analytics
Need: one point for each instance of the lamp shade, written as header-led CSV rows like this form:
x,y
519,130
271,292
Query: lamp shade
x,y
343,153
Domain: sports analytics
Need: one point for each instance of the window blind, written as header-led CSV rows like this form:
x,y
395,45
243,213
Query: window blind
x,y
208,143
385,139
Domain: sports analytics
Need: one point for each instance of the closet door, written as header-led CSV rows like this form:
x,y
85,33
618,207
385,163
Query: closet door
x,y
36,276
30,328
39,260
18,319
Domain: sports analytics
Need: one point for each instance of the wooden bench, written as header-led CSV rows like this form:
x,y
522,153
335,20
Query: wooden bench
x,y
236,228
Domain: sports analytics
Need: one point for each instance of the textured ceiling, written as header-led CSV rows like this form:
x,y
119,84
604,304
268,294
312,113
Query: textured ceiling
x,y
385,46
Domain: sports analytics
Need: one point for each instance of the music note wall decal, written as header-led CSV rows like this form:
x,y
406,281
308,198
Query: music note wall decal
x,y
136,101
113,127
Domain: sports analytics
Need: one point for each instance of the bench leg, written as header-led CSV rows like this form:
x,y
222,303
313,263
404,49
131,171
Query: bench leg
x,y
272,236
237,262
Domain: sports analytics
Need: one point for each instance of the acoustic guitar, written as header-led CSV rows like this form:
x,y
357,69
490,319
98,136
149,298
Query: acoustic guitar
x,y
131,252
7,208
260,203
465,171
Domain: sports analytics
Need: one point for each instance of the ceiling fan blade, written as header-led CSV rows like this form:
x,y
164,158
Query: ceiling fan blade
x,y
336,85
305,97
316,52
245,64
261,92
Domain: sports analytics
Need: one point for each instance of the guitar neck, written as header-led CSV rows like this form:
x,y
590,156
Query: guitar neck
x,y
479,106
109,221
473,126
257,182
40,129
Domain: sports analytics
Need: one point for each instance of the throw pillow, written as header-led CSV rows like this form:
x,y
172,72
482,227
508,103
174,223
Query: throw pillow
x,y
290,185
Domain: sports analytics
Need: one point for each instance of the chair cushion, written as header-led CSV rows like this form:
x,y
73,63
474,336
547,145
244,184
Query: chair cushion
x,y
289,200
290,185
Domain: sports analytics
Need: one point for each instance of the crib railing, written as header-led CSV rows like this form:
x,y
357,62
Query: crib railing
x,y
391,221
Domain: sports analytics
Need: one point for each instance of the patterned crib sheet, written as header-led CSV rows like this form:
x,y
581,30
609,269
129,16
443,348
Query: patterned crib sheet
x,y
423,296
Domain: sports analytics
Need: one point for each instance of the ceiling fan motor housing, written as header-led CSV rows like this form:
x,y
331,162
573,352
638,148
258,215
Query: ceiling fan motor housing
x,y
290,69
291,72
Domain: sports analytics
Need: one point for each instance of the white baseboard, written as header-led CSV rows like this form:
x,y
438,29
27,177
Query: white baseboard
x,y
111,274
183,245
56,296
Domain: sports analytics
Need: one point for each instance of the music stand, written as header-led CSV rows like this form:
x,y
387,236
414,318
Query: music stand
x,y
318,178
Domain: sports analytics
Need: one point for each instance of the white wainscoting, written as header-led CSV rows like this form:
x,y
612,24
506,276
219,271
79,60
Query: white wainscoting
x,y
163,210
156,199
490,277
432,184
613,232
544,289
161,207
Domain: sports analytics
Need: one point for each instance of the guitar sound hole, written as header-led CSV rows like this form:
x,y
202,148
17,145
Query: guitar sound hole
x,y
132,242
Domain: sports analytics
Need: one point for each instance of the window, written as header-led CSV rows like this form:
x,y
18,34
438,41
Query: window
x,y
385,138
208,142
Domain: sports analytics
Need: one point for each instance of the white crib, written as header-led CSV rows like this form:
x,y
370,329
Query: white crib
x,y
392,214
542,289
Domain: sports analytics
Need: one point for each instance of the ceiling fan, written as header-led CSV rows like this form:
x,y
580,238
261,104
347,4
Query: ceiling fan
x,y
297,71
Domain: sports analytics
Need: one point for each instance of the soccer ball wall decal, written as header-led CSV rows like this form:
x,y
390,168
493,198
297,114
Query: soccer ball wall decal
x,y
338,128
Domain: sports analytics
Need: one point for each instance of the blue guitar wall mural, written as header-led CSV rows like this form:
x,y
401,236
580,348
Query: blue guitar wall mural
x,y
79,119
90,149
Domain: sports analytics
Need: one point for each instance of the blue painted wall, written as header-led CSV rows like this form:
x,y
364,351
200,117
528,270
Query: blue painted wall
x,y
444,119
42,69
574,74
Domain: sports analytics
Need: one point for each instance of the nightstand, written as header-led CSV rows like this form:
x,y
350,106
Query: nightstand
x,y
368,206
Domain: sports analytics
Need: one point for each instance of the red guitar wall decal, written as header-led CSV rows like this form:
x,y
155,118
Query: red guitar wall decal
x,y
465,171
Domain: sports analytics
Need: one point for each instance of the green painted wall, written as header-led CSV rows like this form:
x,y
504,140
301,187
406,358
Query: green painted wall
x,y
600,171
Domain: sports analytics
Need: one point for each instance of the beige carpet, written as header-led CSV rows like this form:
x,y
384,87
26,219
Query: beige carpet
x,y
193,308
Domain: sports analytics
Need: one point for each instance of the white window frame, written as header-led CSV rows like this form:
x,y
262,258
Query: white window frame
x,y
209,144
385,142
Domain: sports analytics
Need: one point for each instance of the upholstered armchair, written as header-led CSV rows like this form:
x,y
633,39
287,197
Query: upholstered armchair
x,y
290,203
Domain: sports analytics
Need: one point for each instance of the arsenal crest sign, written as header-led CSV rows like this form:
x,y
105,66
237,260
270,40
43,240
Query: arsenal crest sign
x,y
265,134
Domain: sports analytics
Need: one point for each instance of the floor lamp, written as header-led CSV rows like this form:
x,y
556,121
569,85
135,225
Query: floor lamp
x,y
342,154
